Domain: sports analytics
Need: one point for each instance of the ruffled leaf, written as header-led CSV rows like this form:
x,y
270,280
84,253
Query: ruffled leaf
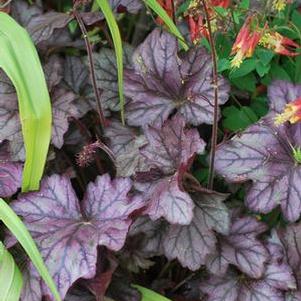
x,y
191,244
125,144
106,75
168,154
68,235
161,82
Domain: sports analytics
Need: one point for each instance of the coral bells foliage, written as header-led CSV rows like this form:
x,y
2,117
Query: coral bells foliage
x,y
135,196
68,232
162,81
267,155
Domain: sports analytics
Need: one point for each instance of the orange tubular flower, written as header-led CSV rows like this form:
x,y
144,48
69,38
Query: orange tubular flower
x,y
279,44
291,113
197,29
245,43
221,3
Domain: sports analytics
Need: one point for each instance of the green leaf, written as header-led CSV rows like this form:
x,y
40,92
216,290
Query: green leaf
x,y
223,64
149,295
247,82
157,8
20,61
276,72
238,118
221,11
296,18
246,67
11,280
264,55
18,229
260,106
244,4
183,8
262,69
113,27
298,70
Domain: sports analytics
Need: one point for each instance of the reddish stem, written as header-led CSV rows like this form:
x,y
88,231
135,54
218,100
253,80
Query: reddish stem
x,y
91,65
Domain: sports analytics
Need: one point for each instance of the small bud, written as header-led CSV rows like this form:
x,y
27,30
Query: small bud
x,y
86,155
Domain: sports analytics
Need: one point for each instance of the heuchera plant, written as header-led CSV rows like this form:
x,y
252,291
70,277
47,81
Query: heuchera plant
x,y
132,203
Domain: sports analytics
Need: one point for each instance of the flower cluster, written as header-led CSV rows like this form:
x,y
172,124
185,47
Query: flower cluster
x,y
251,35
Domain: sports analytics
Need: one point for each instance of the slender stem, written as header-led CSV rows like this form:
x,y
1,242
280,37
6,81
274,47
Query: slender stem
x,y
215,87
91,65
3,5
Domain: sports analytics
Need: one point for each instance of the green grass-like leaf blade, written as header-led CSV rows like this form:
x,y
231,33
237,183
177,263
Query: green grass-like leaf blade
x,y
115,33
11,280
149,295
157,8
18,229
20,61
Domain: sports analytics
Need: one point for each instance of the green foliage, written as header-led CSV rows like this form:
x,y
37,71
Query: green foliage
x,y
297,154
112,24
156,7
149,295
20,61
18,229
238,118
11,280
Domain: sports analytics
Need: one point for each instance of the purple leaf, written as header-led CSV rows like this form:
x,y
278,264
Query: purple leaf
x,y
10,178
233,287
132,6
191,244
106,75
9,117
63,108
76,74
168,154
166,199
281,93
43,26
263,154
276,280
161,82
67,234
32,284
23,12
171,146
53,70
291,240
152,234
125,144
243,249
